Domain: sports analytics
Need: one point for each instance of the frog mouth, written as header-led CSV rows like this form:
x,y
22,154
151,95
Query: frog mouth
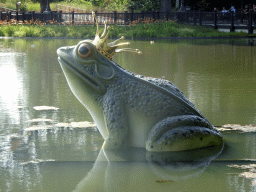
x,y
88,79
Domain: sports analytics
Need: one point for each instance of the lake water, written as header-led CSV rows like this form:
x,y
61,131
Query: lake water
x,y
218,76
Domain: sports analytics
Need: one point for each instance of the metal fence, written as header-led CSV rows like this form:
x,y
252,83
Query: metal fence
x,y
85,18
215,19
114,17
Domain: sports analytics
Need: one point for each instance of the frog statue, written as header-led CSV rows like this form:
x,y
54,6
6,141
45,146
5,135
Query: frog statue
x,y
132,110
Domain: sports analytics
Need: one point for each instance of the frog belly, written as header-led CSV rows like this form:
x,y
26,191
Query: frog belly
x,y
139,127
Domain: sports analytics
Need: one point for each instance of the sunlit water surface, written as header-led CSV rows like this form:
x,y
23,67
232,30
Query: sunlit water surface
x,y
218,76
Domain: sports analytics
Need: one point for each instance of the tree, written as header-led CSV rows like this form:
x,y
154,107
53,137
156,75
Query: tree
x,y
44,5
177,4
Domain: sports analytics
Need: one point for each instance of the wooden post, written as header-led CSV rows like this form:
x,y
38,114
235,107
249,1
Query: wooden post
x,y
167,13
232,28
51,17
73,17
23,16
153,15
125,17
8,16
215,19
33,16
250,29
17,16
1,15
186,16
194,17
200,17
60,15
158,15
115,17
142,15
131,16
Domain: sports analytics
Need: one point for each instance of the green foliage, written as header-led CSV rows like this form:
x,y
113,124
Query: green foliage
x,y
147,29
7,31
33,6
114,5
144,5
98,3
202,5
23,7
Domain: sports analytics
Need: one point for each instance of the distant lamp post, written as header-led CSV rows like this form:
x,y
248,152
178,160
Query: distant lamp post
x,y
182,7
18,5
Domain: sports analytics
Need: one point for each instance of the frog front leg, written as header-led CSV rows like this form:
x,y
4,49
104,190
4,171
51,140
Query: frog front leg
x,y
181,133
115,123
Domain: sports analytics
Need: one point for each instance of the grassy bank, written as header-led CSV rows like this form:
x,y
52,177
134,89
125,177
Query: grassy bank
x,y
141,30
86,5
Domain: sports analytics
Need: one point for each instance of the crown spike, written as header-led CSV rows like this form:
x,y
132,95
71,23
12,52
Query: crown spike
x,y
97,25
109,49
128,50
105,33
114,42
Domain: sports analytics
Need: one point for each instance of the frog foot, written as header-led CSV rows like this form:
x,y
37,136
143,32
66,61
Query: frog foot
x,y
181,133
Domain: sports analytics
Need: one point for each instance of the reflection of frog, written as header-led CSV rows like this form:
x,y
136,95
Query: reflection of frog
x,y
140,170
129,109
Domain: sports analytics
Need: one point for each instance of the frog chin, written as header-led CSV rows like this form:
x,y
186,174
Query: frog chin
x,y
77,73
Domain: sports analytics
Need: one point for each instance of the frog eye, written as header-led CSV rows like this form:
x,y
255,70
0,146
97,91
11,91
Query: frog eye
x,y
84,50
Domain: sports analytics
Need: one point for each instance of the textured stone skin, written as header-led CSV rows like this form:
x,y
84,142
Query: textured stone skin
x,y
133,110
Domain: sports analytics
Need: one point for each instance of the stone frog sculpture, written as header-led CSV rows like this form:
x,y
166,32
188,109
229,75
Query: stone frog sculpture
x,y
131,110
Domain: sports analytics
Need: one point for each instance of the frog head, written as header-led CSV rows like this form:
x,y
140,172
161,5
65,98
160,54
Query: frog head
x,y
90,62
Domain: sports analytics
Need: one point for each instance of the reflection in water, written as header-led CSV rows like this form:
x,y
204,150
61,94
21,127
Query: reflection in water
x,y
23,156
13,92
115,169
218,76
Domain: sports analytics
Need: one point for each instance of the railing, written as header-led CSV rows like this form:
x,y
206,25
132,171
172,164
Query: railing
x,y
218,20
215,19
84,18
17,17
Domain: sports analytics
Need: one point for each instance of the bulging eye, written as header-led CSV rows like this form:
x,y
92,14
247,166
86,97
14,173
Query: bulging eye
x,y
84,50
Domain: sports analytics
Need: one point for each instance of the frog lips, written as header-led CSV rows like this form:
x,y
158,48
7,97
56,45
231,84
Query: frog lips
x,y
88,79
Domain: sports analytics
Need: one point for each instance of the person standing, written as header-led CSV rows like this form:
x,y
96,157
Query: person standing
x,y
224,13
254,13
232,9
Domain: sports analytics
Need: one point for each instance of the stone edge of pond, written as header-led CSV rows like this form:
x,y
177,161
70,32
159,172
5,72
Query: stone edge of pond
x,y
138,38
237,127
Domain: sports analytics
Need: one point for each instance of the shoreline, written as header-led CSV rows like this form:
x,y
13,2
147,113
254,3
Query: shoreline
x,y
139,38
142,31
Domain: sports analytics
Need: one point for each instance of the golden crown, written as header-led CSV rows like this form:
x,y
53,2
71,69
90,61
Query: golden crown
x,y
109,49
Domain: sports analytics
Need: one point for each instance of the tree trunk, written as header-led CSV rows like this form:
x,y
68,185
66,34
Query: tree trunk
x,y
44,5
177,4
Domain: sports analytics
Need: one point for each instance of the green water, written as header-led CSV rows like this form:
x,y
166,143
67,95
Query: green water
x,y
218,76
